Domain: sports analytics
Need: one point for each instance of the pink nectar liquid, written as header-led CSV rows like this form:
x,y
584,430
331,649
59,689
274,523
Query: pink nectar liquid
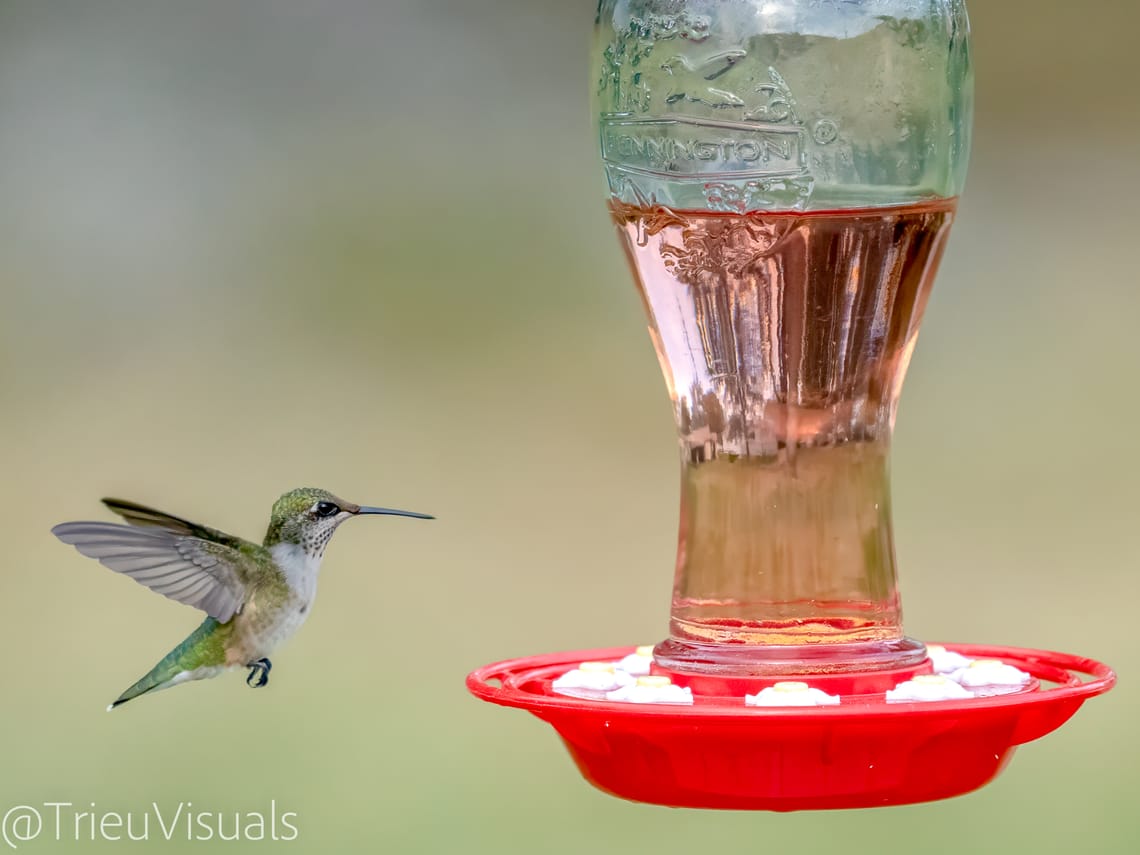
x,y
784,338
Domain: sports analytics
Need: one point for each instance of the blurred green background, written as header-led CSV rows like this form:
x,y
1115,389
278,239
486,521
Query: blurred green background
x,y
246,246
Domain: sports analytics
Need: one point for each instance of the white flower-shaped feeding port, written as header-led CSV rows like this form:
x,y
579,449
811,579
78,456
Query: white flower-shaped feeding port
x,y
638,663
652,690
991,677
791,694
946,661
591,680
928,687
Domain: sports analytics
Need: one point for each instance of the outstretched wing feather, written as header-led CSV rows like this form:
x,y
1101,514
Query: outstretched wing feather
x,y
144,517
185,568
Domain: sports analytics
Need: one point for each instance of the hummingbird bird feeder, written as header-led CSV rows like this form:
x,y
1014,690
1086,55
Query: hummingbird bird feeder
x,y
783,177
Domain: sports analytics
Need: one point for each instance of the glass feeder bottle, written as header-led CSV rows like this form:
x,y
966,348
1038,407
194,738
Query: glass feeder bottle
x,y
783,175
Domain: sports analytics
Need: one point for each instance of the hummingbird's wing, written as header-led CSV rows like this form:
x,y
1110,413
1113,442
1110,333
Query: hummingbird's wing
x,y
141,515
208,575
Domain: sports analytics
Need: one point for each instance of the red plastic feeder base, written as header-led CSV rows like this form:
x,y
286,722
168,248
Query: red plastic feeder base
x,y
863,752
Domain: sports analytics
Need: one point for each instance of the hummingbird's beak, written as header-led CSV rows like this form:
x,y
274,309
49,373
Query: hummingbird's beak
x,y
392,512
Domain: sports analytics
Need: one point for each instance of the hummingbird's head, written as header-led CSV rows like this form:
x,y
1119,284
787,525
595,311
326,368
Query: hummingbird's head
x,y
307,517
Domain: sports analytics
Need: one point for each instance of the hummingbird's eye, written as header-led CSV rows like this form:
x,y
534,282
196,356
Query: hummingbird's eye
x,y
326,509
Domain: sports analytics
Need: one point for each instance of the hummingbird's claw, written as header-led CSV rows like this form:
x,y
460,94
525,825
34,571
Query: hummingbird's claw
x,y
259,669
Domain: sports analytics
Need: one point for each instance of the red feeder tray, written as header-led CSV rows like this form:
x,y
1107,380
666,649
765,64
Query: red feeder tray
x,y
864,752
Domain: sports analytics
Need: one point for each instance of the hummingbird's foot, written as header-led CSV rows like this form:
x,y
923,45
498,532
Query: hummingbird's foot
x,y
260,670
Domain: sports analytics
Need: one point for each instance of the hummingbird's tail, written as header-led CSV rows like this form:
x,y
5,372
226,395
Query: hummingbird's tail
x,y
201,655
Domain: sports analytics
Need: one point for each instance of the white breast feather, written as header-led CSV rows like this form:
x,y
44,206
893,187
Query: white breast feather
x,y
300,568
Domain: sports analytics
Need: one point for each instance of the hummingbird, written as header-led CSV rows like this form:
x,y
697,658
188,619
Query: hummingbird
x,y
254,597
